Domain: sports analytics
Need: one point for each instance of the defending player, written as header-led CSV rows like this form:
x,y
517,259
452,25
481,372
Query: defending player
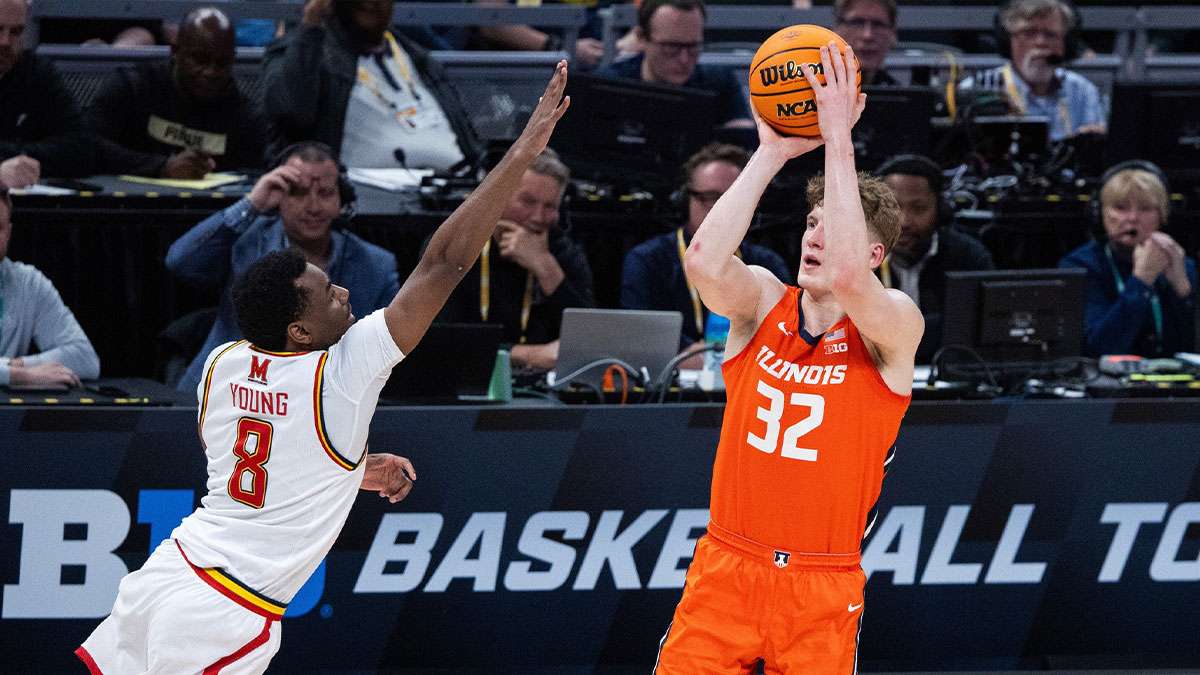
x,y
817,378
284,420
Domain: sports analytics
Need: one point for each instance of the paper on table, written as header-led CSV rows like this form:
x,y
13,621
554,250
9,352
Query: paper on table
x,y
42,190
389,179
209,182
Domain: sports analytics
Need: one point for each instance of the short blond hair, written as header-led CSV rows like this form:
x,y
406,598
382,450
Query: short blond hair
x,y
879,204
1136,185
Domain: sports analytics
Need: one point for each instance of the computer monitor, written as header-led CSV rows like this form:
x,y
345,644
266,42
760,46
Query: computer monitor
x,y
897,120
630,133
1002,140
1016,321
452,363
1157,121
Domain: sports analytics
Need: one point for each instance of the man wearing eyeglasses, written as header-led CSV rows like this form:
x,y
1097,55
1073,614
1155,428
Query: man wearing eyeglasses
x,y
870,28
653,276
672,36
1033,83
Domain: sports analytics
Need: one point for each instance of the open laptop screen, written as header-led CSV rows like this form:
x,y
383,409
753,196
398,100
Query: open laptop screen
x,y
641,338
453,363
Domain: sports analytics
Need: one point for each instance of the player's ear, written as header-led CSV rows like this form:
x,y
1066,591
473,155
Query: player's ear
x,y
298,333
877,254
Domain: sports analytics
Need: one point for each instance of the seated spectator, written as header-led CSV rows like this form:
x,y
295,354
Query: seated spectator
x,y
653,276
529,272
869,26
1141,286
293,205
928,246
1040,36
375,97
182,118
671,33
32,312
41,129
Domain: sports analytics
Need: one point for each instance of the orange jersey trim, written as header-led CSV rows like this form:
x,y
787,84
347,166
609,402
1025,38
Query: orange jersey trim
x,y
319,420
230,587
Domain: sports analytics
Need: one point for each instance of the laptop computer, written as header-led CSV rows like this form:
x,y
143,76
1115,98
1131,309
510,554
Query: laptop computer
x,y
642,338
452,364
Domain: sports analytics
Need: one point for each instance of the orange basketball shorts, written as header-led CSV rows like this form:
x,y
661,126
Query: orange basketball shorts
x,y
744,602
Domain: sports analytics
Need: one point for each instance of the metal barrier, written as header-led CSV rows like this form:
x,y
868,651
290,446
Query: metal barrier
x,y
1128,59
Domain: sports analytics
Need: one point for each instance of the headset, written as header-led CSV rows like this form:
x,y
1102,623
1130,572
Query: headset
x,y
346,193
1070,40
920,165
1095,215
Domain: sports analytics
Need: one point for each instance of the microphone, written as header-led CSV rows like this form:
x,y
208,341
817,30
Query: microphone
x,y
398,153
1056,59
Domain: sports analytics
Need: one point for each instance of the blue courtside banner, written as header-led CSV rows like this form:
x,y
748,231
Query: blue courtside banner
x,y
1015,535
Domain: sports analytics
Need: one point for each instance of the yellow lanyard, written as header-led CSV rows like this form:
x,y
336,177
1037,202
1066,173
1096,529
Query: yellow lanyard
x,y
697,308
368,80
885,273
1019,101
485,290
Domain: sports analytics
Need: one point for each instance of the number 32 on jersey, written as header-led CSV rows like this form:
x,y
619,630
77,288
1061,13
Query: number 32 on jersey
x,y
789,443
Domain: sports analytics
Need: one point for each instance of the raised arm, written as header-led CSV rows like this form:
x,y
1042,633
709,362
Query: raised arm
x,y
456,243
727,285
888,319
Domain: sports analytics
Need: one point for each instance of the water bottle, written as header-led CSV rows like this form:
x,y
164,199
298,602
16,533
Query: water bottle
x,y
716,332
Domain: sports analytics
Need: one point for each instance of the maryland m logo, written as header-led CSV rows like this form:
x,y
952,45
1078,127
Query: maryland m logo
x,y
258,369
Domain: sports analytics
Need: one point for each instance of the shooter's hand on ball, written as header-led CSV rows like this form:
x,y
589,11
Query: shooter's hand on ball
x,y
771,141
839,104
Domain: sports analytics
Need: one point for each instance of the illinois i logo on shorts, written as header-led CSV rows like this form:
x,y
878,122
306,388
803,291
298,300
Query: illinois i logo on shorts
x,y
781,559
258,369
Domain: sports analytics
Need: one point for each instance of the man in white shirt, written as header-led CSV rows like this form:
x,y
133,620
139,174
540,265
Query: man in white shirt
x,y
374,96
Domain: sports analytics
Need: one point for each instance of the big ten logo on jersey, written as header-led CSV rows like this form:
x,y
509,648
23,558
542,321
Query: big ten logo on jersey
x,y
836,342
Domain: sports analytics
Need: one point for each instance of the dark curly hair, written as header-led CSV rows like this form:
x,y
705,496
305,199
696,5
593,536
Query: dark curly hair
x,y
266,299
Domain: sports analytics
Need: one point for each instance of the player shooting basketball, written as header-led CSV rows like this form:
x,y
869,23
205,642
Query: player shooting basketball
x,y
284,420
818,376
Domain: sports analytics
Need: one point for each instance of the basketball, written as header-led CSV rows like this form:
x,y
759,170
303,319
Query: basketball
x,y
778,89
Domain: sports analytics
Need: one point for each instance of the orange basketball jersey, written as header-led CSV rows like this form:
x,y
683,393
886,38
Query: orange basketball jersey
x,y
809,425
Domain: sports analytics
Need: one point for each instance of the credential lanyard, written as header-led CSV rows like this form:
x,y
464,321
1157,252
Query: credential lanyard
x,y
485,290
369,81
1155,303
697,308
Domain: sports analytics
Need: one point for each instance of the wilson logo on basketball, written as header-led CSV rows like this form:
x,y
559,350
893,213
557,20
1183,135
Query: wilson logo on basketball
x,y
786,72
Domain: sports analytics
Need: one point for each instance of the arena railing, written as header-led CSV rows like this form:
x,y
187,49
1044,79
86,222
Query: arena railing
x,y
568,20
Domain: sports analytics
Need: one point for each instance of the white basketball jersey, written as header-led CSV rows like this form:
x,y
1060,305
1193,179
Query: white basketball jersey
x,y
285,435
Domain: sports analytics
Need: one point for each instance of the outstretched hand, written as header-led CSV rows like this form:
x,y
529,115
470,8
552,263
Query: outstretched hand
x,y
391,476
839,103
549,110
